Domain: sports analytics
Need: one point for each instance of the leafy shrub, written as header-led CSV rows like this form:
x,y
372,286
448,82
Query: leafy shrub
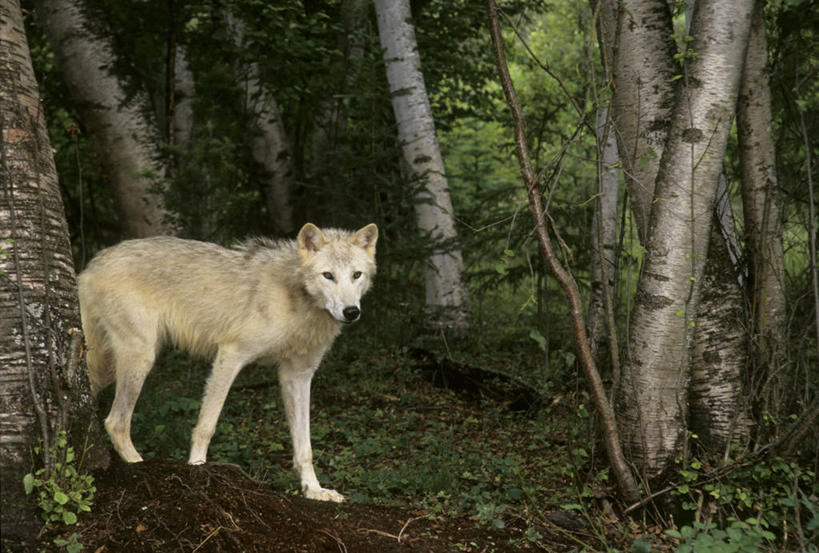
x,y
759,500
66,492
740,537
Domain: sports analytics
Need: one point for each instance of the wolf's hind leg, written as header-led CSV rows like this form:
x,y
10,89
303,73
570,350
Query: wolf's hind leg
x,y
295,379
132,367
227,365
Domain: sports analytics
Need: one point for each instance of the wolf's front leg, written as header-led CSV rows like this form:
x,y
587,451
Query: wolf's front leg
x,y
295,383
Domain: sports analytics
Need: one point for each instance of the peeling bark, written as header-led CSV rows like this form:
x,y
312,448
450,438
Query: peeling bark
x,y
43,387
446,295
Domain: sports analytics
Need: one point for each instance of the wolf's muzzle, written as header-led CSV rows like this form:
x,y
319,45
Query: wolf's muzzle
x,y
351,313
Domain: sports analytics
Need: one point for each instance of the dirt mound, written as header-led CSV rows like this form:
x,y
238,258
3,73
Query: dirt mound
x,y
163,506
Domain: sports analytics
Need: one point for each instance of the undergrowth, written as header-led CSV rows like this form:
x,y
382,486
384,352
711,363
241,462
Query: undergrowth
x,y
65,492
382,434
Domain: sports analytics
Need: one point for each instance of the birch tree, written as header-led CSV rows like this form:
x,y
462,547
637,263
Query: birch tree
x,y
115,109
760,200
446,294
603,275
654,386
643,72
44,385
184,91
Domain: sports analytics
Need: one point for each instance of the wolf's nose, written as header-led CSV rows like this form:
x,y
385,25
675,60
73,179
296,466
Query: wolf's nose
x,y
351,313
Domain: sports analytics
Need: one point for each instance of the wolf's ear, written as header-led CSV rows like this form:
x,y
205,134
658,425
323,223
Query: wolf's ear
x,y
310,240
366,238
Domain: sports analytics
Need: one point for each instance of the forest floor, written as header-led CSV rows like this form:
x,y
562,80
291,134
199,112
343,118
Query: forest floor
x,y
167,506
433,456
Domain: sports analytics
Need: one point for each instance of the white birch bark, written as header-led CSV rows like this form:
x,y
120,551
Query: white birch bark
x,y
654,387
603,239
446,294
117,114
643,95
718,403
760,200
43,385
270,144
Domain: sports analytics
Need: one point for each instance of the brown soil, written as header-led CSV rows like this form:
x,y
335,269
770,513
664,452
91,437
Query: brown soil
x,y
164,506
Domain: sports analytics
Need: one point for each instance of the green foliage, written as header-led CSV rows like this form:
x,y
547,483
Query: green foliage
x,y
72,544
759,500
740,537
66,492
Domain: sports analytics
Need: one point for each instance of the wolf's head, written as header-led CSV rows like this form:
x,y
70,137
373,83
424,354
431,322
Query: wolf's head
x,y
337,267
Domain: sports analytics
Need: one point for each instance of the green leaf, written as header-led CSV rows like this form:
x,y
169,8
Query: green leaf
x,y
538,337
60,498
69,517
572,507
28,483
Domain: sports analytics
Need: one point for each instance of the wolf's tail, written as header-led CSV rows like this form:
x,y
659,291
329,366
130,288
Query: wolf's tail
x,y
98,355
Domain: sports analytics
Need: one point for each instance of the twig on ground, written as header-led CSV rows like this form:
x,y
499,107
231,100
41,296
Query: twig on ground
x,y
341,547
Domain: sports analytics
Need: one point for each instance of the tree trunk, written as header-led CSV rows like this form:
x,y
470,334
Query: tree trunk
x,y
44,384
655,378
270,144
603,271
718,407
182,108
643,95
116,111
760,202
446,294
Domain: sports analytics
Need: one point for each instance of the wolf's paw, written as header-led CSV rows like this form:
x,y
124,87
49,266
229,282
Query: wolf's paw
x,y
135,458
323,494
196,462
128,454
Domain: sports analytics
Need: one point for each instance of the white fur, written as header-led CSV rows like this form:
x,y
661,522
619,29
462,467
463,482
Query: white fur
x,y
262,301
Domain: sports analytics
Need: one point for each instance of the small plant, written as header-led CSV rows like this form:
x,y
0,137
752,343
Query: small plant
x,y
491,514
64,493
72,545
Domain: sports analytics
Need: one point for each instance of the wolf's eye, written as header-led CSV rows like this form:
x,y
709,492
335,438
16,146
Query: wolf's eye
x,y
356,275
328,276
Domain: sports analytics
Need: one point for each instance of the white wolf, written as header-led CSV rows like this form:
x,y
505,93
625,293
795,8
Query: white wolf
x,y
264,301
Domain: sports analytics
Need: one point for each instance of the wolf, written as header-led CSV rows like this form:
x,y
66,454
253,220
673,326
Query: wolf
x,y
267,301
